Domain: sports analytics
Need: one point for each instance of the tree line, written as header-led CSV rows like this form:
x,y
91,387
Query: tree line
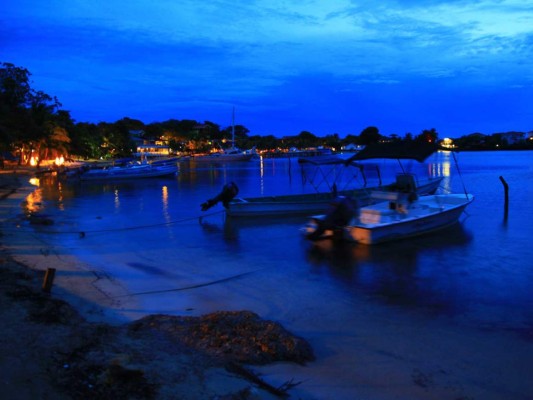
x,y
33,123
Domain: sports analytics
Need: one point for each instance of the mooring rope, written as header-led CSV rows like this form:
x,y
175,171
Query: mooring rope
x,y
199,285
82,234
459,172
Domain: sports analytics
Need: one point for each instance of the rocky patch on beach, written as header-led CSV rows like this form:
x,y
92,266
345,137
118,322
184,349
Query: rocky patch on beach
x,y
230,336
156,357
49,351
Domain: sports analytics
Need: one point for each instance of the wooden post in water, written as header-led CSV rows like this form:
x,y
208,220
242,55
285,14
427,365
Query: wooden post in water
x,y
506,204
48,279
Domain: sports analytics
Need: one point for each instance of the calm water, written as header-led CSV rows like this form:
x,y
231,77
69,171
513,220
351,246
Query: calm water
x,y
150,233
351,302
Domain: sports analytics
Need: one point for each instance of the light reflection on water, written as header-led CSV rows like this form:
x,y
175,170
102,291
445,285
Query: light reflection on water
x,y
479,271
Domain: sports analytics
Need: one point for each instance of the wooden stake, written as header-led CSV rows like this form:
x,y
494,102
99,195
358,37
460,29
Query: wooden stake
x,y
49,279
506,191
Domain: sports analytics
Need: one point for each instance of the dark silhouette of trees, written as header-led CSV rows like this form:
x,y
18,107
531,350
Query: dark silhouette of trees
x,y
30,122
428,135
369,135
87,141
332,141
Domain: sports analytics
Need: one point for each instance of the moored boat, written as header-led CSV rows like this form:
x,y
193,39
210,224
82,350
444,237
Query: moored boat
x,y
313,203
394,219
392,215
232,154
227,154
130,171
322,168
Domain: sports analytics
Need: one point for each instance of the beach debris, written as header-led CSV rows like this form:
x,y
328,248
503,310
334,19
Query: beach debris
x,y
82,359
38,219
251,376
131,380
231,336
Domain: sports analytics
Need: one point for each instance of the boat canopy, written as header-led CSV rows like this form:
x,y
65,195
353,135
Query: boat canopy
x,y
328,160
332,171
413,150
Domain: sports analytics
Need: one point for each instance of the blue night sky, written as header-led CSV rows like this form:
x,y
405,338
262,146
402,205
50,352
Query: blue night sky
x,y
331,66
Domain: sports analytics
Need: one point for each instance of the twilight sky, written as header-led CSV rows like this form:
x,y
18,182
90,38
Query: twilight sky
x,y
324,66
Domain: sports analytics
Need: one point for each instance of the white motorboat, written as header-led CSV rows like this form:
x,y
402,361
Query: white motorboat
x,y
130,171
393,215
394,219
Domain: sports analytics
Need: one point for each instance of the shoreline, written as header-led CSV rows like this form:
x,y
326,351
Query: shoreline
x,y
389,353
70,343
93,294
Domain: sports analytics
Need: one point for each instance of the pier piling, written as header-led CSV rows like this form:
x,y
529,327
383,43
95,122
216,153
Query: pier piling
x,y
506,191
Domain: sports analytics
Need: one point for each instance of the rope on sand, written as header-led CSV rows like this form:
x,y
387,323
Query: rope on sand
x,y
190,287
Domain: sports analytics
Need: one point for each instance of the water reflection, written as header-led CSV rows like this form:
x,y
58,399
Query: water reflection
x,y
399,273
117,200
215,228
34,201
234,228
442,165
164,200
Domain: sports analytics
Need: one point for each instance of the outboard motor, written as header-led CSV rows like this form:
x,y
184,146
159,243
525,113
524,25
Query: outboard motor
x,y
229,191
342,210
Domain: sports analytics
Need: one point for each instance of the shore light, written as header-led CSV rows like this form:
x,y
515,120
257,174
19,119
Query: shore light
x,y
59,161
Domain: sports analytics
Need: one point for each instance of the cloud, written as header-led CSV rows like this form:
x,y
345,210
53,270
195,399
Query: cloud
x,y
310,58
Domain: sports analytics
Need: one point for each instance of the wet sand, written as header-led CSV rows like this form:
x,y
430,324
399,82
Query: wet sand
x,y
391,355
70,343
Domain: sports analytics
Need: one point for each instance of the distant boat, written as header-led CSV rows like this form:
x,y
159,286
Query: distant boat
x,y
230,154
394,215
160,161
128,172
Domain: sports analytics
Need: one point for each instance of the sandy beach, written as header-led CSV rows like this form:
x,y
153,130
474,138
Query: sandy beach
x,y
75,342
69,343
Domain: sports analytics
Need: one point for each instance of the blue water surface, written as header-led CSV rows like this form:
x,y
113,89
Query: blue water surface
x,y
479,272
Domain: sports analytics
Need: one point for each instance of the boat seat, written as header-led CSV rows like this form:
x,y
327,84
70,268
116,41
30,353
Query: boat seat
x,y
381,195
405,183
375,216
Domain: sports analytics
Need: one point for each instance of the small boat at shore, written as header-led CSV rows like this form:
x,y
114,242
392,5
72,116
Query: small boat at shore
x,y
127,172
392,215
312,203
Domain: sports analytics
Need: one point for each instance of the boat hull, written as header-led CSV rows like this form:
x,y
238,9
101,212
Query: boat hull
x,y
428,218
308,204
129,173
281,206
379,223
220,157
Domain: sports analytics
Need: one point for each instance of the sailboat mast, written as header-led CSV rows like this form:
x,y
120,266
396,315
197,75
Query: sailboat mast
x,y
233,128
